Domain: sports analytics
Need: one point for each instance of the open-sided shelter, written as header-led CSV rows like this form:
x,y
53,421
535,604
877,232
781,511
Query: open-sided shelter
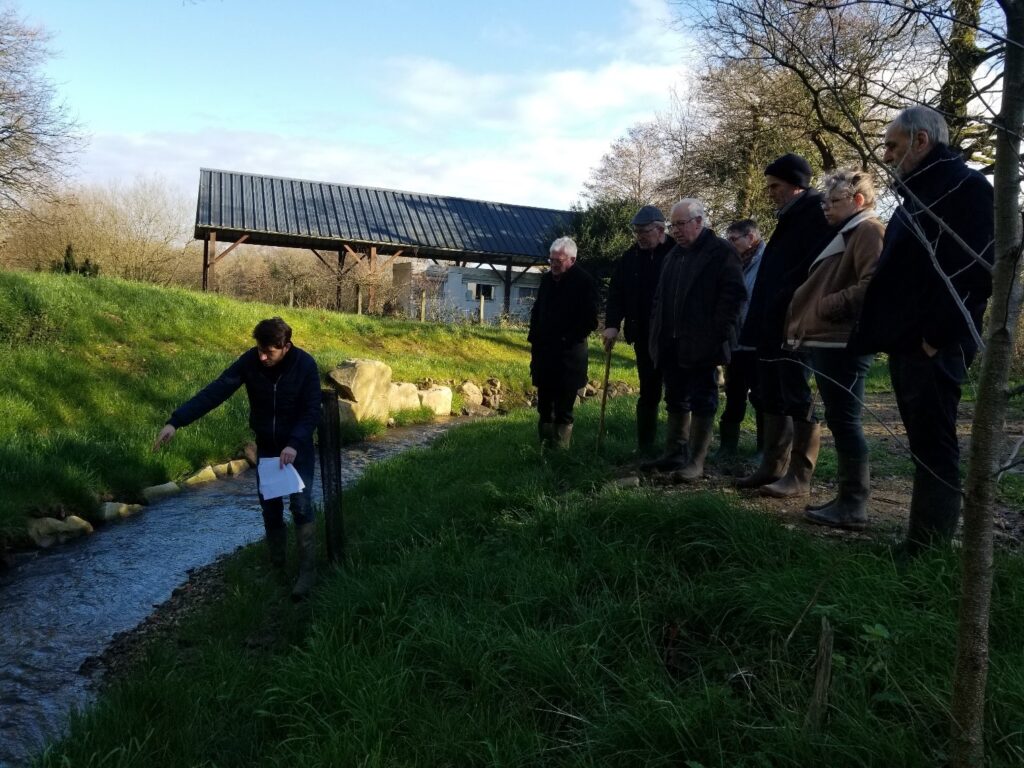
x,y
346,224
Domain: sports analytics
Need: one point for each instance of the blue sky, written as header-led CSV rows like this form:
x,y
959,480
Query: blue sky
x,y
512,101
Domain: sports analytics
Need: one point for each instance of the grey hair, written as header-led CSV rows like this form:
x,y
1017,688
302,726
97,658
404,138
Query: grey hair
x,y
693,206
914,119
564,245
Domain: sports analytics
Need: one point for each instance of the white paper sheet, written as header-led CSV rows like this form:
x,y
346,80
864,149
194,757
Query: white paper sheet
x,y
275,481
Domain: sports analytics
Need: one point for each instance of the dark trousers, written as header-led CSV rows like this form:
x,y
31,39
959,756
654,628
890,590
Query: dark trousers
x,y
688,389
555,403
784,384
840,378
927,394
651,382
740,383
300,504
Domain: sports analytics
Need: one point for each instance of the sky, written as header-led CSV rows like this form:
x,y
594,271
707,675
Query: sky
x,y
512,102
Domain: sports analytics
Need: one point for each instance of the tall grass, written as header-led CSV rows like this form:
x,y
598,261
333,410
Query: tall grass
x,y
503,607
92,368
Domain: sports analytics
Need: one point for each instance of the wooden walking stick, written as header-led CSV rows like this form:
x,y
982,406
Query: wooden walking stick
x,y
604,397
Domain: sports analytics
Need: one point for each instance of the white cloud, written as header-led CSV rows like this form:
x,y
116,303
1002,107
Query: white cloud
x,y
528,138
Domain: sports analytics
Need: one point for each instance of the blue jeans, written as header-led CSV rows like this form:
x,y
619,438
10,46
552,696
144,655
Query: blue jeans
x,y
840,377
301,503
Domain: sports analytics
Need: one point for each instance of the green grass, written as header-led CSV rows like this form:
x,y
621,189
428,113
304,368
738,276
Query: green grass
x,y
501,607
93,367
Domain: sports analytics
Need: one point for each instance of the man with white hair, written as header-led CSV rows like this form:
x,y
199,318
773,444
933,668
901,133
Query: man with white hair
x,y
693,327
563,316
943,231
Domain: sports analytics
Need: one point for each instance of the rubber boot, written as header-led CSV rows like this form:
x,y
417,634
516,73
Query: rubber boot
x,y
759,421
277,546
778,438
728,441
802,459
646,428
934,514
700,440
677,432
305,543
849,509
563,436
546,433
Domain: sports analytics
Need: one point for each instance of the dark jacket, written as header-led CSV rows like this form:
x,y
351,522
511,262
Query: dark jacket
x,y
797,239
284,401
631,290
907,302
563,316
698,301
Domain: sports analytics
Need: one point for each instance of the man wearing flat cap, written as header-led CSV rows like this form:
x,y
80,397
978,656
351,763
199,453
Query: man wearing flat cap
x,y
630,296
791,432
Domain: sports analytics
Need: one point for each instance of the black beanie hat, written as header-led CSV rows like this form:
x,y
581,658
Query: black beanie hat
x,y
792,169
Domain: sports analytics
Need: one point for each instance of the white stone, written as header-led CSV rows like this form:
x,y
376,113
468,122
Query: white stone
x,y
155,492
47,531
437,399
403,397
114,510
238,466
204,475
222,470
471,393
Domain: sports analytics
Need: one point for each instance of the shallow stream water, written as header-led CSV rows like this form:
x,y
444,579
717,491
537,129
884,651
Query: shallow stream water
x,y
62,606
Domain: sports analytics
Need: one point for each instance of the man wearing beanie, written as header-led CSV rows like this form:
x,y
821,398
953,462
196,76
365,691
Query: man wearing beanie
x,y
791,433
630,295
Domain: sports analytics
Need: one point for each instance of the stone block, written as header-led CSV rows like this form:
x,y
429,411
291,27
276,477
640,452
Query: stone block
x,y
471,393
403,397
204,475
47,531
366,384
437,399
155,492
222,470
238,466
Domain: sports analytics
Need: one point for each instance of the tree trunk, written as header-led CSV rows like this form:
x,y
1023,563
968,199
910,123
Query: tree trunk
x,y
963,57
971,671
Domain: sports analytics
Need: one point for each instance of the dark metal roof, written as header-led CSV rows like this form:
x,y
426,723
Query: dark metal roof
x,y
312,214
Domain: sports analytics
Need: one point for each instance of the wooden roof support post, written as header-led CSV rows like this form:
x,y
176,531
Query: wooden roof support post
x,y
507,282
209,259
337,284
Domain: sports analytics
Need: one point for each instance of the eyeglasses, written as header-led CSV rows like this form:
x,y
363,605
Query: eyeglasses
x,y
649,229
683,223
831,201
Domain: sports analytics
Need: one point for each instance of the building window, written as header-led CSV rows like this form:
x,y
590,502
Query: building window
x,y
527,294
484,290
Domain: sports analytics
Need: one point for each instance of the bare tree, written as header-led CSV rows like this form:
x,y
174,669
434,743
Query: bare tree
x,y
37,136
632,170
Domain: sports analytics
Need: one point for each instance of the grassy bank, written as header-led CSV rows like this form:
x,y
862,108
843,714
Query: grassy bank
x,y
92,368
501,607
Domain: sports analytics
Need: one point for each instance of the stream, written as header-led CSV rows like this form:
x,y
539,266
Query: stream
x,y
61,606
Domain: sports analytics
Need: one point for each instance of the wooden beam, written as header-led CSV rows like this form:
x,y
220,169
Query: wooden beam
x,y
322,259
206,263
211,238
230,248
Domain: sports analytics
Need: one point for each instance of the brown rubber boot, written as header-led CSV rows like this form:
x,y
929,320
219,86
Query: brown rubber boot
x,y
546,433
778,438
305,543
700,440
802,459
677,432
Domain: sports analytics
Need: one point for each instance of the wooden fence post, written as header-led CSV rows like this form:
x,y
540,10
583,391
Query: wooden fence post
x,y
423,306
330,475
481,308
359,299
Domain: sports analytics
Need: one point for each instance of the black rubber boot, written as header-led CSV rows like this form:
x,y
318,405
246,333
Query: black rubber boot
x,y
849,509
277,546
546,433
934,514
677,431
728,441
778,439
646,428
